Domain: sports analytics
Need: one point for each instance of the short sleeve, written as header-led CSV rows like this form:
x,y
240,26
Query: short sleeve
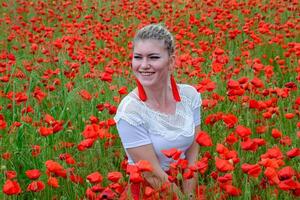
x,y
193,97
196,116
196,106
196,100
129,110
132,136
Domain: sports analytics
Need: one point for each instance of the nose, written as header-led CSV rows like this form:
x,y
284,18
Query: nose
x,y
144,63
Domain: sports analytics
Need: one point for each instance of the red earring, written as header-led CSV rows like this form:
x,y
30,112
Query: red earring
x,y
141,91
174,89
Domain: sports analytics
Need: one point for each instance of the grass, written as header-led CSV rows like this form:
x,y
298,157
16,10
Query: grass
x,y
112,51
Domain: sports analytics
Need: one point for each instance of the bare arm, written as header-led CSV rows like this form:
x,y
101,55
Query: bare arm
x,y
189,185
146,152
158,176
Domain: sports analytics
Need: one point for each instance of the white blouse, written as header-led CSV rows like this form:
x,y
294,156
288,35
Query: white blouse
x,y
139,125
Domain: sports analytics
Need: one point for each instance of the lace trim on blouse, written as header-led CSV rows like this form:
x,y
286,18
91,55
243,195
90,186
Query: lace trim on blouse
x,y
169,126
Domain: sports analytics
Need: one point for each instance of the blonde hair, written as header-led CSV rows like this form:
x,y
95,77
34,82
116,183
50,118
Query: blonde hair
x,y
156,32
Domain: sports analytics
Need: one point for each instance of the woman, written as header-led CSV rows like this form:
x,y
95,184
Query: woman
x,y
158,114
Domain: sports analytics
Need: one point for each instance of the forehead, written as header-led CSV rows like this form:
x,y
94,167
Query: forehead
x,y
149,46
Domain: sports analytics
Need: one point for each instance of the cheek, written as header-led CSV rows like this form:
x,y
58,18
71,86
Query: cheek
x,y
133,65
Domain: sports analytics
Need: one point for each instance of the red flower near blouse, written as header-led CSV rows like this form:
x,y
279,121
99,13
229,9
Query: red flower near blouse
x,y
203,139
169,152
144,165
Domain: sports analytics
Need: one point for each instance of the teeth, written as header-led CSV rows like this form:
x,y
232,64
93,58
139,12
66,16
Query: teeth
x,y
147,73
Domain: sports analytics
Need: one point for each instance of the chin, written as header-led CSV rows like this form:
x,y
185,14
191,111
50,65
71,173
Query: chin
x,y
147,82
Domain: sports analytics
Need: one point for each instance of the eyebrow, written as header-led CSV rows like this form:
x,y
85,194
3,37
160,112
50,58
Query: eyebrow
x,y
151,54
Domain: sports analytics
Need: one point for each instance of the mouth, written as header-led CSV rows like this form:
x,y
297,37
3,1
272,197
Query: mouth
x,y
146,73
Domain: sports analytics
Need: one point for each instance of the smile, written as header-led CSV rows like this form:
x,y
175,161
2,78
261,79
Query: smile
x,y
147,73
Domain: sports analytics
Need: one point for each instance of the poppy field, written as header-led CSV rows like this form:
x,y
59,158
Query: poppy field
x,y
65,66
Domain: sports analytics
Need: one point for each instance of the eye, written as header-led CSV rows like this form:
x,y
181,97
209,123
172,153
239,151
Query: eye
x,y
154,57
137,57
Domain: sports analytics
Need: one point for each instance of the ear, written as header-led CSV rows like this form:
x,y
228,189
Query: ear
x,y
172,61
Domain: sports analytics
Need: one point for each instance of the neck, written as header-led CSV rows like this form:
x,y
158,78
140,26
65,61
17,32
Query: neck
x,y
159,96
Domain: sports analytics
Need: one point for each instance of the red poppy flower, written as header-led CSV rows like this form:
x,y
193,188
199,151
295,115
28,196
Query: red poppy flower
x,y
276,133
243,131
230,120
114,176
44,131
85,95
33,174
221,149
249,145
94,177
6,155
149,191
286,173
274,152
289,184
2,124
169,152
107,193
76,179
257,82
202,165
188,174
136,177
10,174
38,94
68,158
203,139
84,144
144,165
11,187
231,138
251,170
293,153
36,186
35,150
232,191
91,131
289,115
49,119
52,181
223,165
271,174
54,167
226,179
122,90
90,194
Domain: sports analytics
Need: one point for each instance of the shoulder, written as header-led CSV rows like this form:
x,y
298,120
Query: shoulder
x,y
190,95
188,91
129,109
